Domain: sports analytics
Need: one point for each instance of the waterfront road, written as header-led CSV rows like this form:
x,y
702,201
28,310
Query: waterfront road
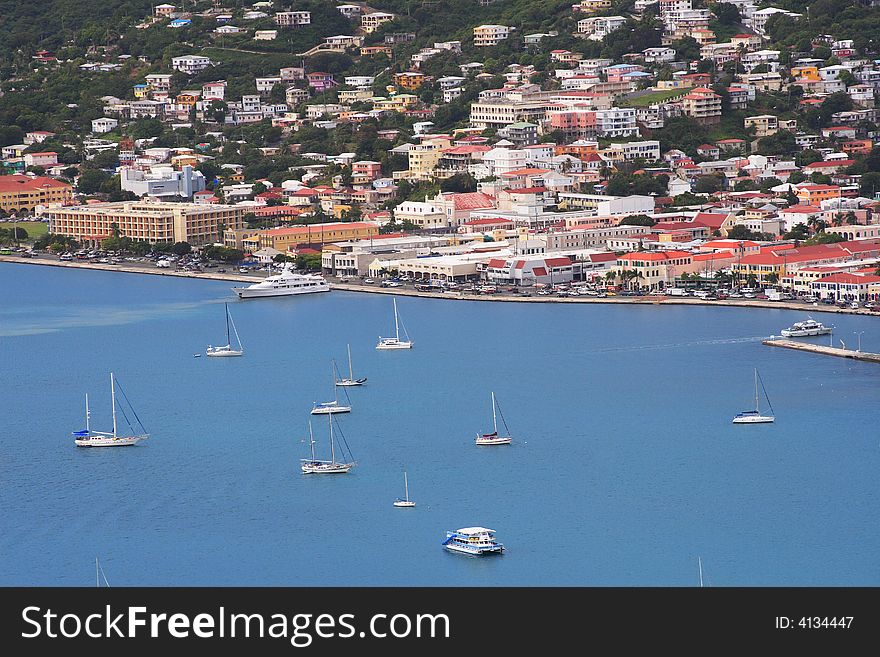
x,y
357,285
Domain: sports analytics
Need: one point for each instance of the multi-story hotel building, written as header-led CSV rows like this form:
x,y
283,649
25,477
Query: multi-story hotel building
x,y
289,238
490,35
146,221
19,193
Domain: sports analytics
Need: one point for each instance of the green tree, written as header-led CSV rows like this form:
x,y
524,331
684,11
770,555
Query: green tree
x,y
181,248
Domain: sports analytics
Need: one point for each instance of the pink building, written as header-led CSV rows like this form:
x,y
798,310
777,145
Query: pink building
x,y
321,81
366,170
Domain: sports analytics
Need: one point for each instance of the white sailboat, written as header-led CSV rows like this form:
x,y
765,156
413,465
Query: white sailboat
x,y
755,416
404,503
322,408
90,438
493,438
395,342
227,350
316,466
350,381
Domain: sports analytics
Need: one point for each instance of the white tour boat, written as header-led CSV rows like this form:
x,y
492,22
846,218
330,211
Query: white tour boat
x,y
805,329
395,342
475,541
90,438
316,466
350,381
755,416
493,438
284,284
404,503
227,350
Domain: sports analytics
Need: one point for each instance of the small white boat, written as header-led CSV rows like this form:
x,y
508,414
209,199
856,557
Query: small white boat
x,y
475,541
404,503
284,284
807,328
330,407
493,438
755,416
316,466
91,438
395,342
227,350
350,381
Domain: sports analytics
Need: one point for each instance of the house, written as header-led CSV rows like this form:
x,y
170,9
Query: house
x,y
320,81
293,18
764,125
709,151
490,35
372,21
190,64
104,124
265,35
702,105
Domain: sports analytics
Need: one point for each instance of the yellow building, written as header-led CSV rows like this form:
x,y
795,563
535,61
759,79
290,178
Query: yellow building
x,y
592,6
146,221
19,193
764,125
805,73
289,238
396,103
371,22
409,79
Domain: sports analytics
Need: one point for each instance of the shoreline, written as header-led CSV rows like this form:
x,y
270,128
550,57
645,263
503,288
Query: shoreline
x,y
457,296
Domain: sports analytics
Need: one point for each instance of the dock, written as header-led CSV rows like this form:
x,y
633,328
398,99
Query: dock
x,y
820,349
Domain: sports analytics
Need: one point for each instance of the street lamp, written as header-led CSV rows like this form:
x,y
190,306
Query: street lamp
x,y
859,333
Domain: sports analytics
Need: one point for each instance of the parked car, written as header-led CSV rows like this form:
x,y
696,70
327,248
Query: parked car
x,y
369,280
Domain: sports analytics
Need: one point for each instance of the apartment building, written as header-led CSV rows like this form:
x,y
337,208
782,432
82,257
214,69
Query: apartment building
x,y
490,35
371,22
703,105
190,64
24,193
293,18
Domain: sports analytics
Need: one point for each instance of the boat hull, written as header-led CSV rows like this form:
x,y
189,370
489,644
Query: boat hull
x,y
474,551
805,334
754,419
325,468
385,346
493,441
329,410
225,353
251,293
348,383
403,504
109,441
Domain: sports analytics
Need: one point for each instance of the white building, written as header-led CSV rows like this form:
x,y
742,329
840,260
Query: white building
x,y
190,64
102,125
490,35
293,18
162,181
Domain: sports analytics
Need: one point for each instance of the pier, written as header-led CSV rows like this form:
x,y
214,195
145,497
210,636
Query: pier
x,y
820,349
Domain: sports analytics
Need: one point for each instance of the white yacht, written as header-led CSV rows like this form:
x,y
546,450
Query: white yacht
x,y
404,503
395,342
330,407
284,284
493,438
806,328
227,350
755,416
90,438
316,466
475,541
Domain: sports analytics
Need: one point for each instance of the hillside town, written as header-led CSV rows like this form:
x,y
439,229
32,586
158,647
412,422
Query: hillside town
x,y
605,146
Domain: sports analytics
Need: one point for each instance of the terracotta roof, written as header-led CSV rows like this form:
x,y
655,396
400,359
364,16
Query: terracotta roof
x,y
28,183
851,279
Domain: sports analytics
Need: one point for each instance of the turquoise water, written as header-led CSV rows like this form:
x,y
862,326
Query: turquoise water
x,y
625,467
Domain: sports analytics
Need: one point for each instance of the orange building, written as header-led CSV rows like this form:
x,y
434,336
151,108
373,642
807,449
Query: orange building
x,y
815,194
19,193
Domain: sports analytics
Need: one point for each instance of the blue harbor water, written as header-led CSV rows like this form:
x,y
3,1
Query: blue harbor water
x,y
625,467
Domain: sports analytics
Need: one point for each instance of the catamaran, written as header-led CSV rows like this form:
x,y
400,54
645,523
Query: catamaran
x,y
227,350
755,416
350,381
493,438
316,466
404,503
475,541
321,408
395,342
90,438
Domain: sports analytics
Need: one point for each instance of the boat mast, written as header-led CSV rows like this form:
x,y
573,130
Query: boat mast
x,y
757,409
97,580
700,561
88,429
494,420
113,402
332,449
228,341
311,440
405,486
396,326
350,373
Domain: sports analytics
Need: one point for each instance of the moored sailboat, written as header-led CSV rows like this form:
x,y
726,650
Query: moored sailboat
x,y
404,503
322,408
314,465
395,342
493,438
350,381
755,416
88,437
227,350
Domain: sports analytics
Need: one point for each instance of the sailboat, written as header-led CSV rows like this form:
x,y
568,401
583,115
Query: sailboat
x,y
350,381
99,572
316,466
395,342
321,408
227,350
404,503
90,438
755,416
493,438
